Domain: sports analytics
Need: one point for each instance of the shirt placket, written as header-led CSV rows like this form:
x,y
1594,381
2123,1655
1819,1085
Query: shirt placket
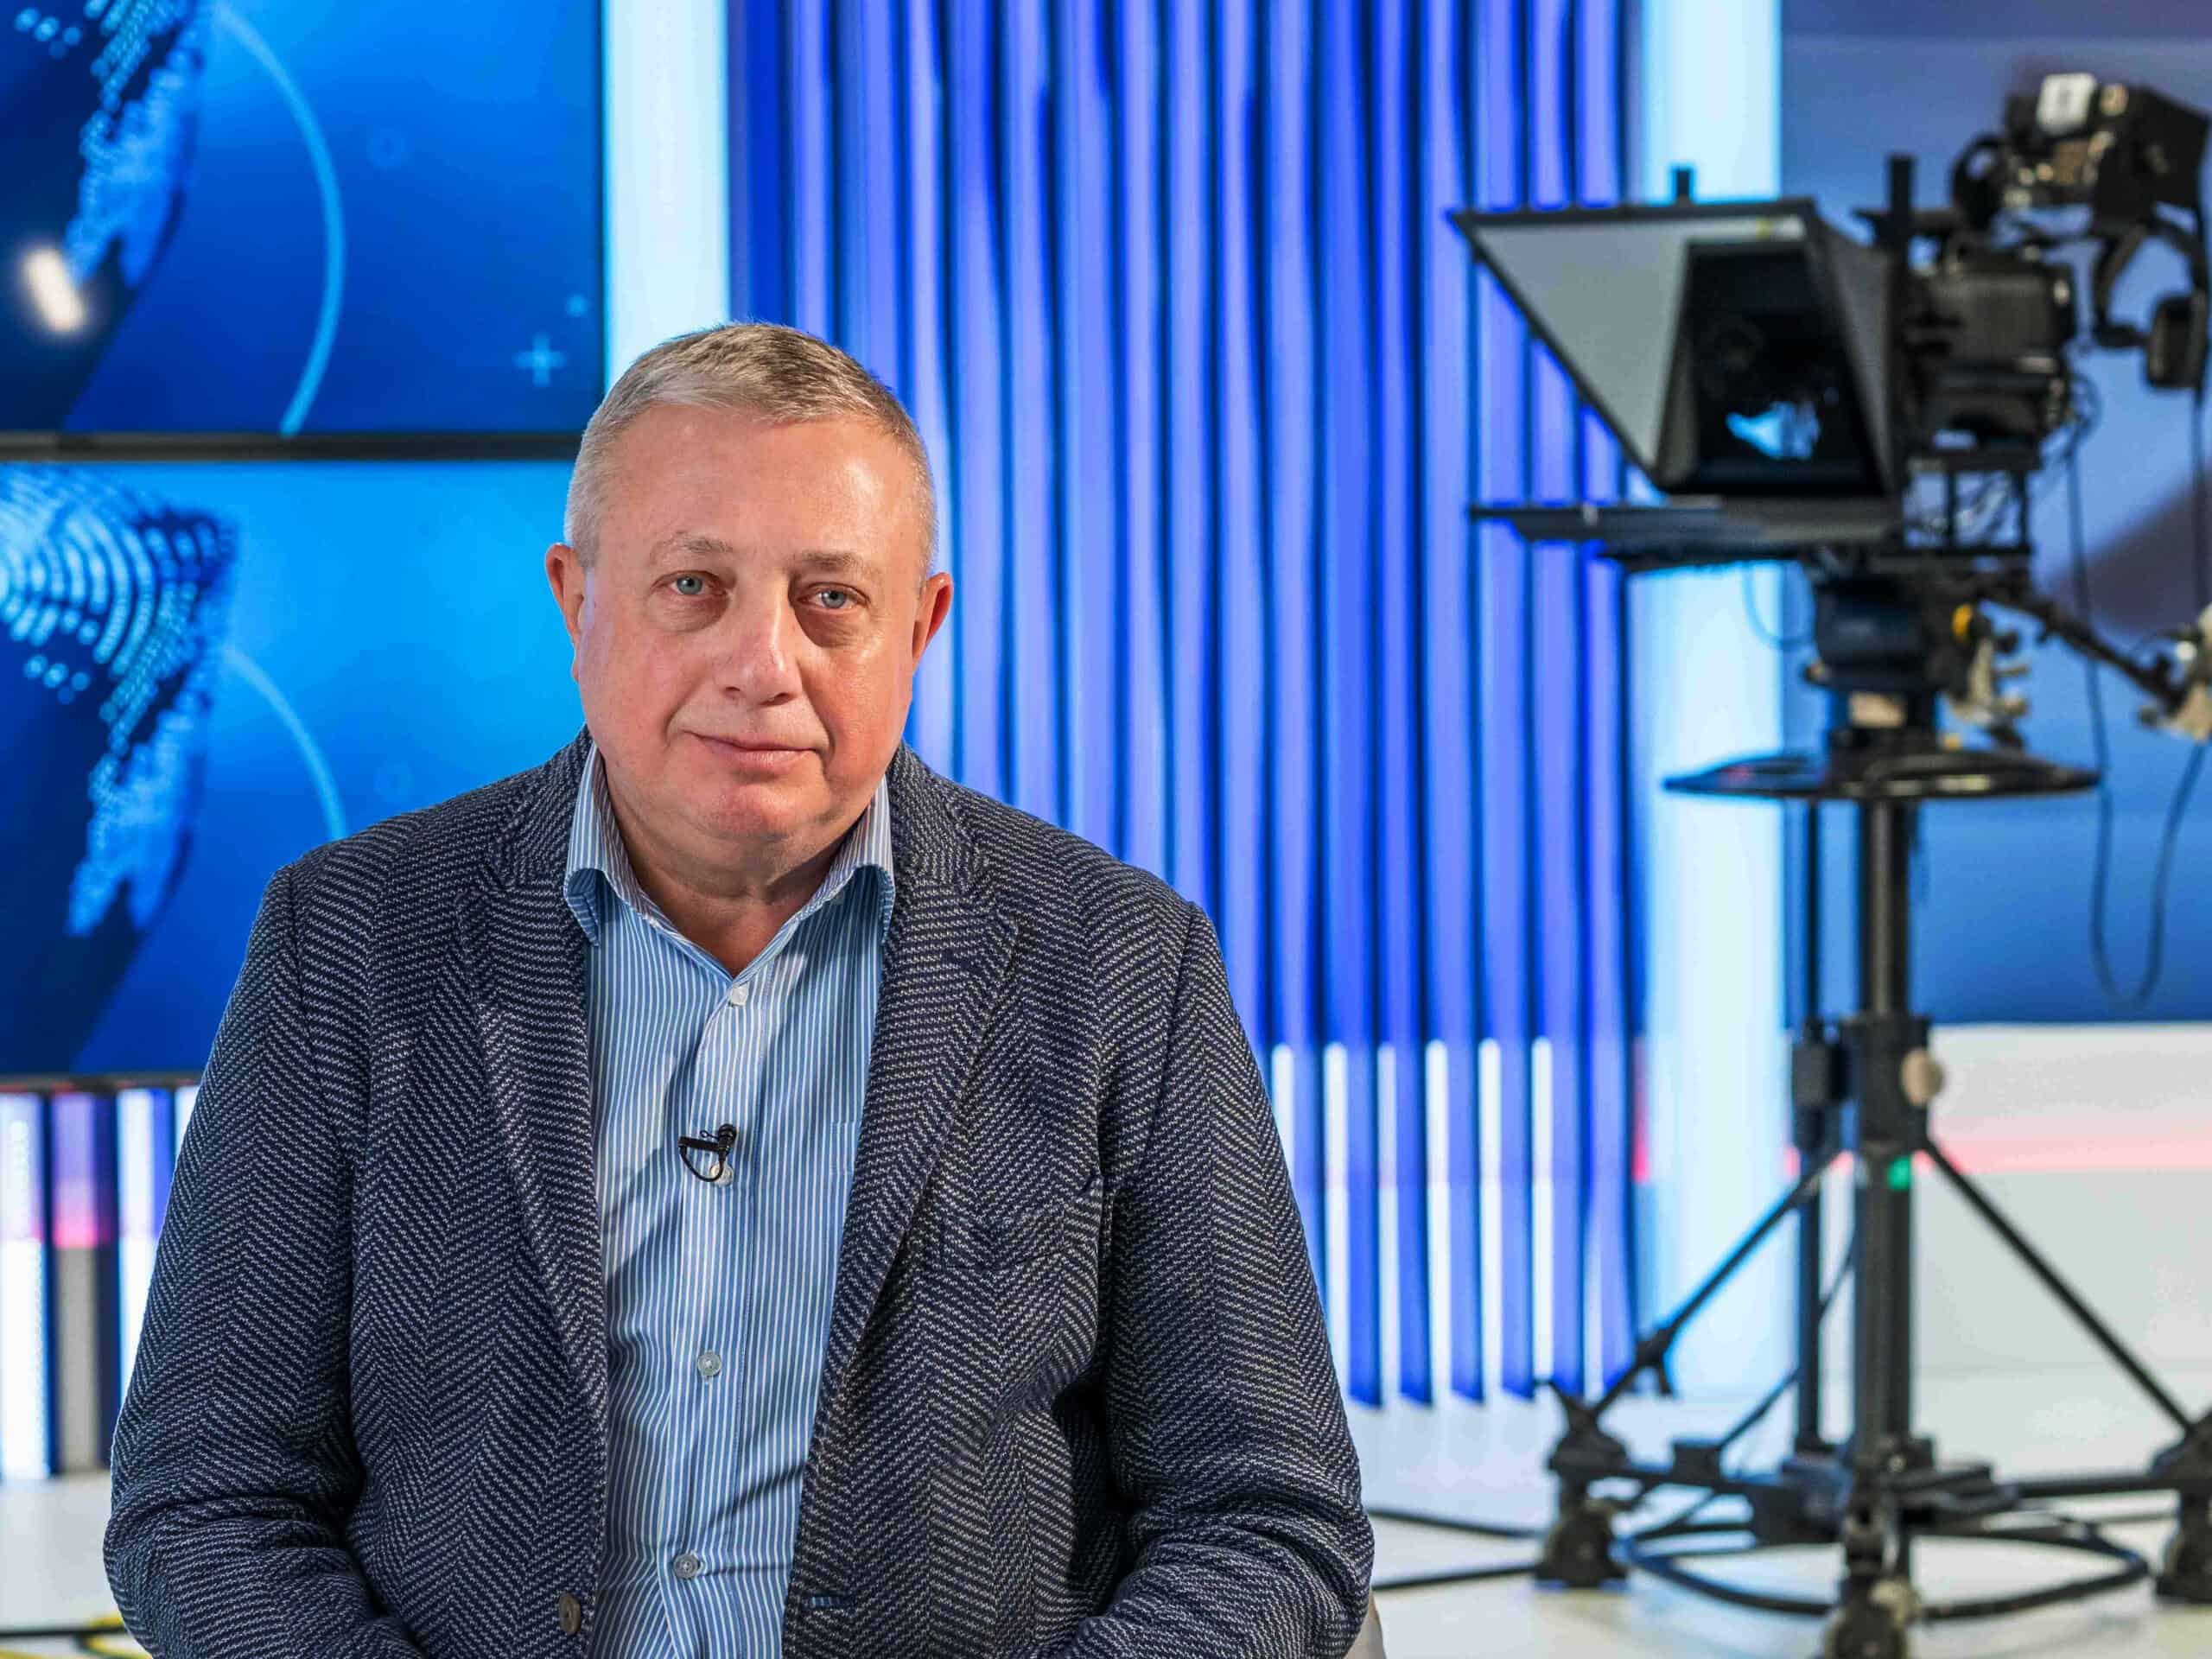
x,y
708,1344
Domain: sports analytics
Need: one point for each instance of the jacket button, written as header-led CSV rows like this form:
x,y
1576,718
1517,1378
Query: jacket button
x,y
572,1616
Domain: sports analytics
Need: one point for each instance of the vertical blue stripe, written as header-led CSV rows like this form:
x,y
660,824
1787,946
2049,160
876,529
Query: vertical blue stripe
x,y
1186,395
1290,394
1238,601
1445,545
925,363
1347,607
163,1153
1139,290
1559,720
1395,746
1082,346
1608,1171
866,274
1032,552
1609,1146
1504,582
814,183
761,272
977,458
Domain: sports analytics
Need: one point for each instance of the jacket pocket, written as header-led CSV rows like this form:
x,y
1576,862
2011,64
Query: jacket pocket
x,y
1009,1238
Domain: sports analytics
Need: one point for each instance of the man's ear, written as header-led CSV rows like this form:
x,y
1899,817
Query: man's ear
x,y
564,574
936,604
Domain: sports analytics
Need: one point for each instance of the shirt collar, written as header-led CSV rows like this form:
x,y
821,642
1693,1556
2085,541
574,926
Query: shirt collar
x,y
598,863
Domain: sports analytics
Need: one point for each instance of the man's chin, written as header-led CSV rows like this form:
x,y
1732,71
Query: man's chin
x,y
762,811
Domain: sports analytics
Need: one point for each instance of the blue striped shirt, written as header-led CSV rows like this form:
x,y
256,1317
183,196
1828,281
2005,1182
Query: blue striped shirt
x,y
718,1293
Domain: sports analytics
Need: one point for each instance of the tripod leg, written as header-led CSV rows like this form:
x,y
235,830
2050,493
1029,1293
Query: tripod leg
x,y
1875,1603
1651,1352
1577,1552
1815,1097
1810,1222
1885,1173
2083,1314
1882,1313
1886,1126
2185,1570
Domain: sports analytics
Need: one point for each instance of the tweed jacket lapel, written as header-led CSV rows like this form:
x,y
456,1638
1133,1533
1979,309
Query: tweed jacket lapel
x,y
944,959
950,944
530,966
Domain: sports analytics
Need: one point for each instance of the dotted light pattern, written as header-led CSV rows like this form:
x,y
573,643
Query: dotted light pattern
x,y
48,29
132,31
148,58
108,594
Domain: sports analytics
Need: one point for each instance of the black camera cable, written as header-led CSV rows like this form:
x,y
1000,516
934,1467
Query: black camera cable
x,y
1682,1523
2132,998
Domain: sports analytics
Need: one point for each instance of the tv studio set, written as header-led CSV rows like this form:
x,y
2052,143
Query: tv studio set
x,y
1001,828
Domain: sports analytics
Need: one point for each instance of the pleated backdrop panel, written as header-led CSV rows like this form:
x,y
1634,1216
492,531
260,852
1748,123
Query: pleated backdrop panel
x,y
1209,385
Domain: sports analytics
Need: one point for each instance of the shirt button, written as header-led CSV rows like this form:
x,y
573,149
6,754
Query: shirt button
x,y
686,1566
711,1363
739,995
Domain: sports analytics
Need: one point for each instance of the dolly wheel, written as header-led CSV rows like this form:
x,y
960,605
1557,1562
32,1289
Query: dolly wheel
x,y
2185,1571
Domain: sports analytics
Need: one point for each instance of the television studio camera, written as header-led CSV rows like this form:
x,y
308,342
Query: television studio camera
x,y
1874,411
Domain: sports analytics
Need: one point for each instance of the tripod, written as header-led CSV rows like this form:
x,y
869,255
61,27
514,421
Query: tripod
x,y
1863,1084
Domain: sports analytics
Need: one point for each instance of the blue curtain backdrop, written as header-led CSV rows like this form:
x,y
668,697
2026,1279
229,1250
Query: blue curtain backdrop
x,y
1209,384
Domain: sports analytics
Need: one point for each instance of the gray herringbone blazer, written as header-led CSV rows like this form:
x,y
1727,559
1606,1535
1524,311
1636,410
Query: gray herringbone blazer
x,y
1076,1397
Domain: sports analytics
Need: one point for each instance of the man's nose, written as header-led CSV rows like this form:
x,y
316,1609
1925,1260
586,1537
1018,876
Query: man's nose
x,y
758,638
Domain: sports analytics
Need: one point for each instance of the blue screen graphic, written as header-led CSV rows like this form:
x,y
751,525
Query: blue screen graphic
x,y
208,669
282,217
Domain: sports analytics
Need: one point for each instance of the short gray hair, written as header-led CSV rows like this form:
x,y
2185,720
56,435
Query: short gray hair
x,y
778,374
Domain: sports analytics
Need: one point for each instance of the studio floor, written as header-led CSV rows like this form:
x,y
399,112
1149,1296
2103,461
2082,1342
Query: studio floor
x,y
1481,1463
1476,1462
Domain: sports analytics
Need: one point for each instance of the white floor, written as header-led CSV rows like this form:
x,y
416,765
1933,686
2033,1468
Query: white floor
x,y
1482,1463
1478,1462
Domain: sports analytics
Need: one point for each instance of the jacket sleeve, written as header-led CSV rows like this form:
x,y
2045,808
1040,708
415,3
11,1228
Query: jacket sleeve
x,y
1227,1428
233,1465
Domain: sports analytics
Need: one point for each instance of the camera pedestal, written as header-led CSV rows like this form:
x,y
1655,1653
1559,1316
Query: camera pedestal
x,y
1863,1085
1814,391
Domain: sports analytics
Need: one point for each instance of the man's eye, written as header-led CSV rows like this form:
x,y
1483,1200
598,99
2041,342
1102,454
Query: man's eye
x,y
835,599
691,587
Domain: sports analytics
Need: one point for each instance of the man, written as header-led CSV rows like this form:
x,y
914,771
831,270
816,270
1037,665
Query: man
x,y
730,1191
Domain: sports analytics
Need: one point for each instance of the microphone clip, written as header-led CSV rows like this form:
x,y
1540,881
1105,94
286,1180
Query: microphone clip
x,y
724,1138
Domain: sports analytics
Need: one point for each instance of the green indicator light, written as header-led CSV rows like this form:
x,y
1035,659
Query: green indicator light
x,y
1900,1175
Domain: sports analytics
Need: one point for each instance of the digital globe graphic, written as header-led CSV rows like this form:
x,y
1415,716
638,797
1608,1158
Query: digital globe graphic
x,y
98,111
112,604
112,612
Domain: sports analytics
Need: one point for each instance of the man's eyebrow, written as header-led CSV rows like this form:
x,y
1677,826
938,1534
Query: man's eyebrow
x,y
825,560
691,544
835,561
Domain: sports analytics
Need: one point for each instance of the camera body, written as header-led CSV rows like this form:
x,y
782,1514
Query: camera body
x,y
1990,322
1985,340
2123,152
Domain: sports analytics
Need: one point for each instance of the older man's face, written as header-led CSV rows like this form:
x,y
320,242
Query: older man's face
x,y
746,634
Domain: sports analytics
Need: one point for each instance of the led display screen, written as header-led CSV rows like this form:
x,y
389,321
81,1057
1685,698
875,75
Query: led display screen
x,y
206,670
247,222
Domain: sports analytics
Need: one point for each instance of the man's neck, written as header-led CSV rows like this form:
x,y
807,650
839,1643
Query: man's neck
x,y
729,912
